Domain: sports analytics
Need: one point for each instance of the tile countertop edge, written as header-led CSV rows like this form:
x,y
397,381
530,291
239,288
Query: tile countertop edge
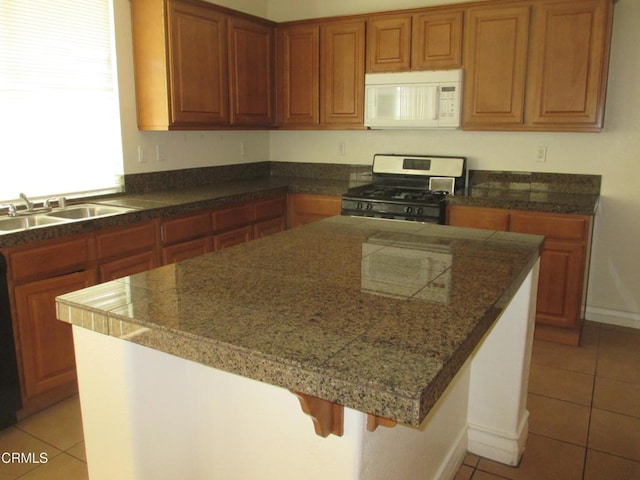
x,y
287,374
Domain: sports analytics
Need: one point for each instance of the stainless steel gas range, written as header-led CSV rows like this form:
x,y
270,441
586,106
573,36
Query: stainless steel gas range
x,y
408,187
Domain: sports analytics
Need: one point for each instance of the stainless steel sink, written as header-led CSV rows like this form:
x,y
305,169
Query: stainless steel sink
x,y
9,224
68,214
84,211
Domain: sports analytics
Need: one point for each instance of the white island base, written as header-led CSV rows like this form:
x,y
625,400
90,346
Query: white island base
x,y
148,415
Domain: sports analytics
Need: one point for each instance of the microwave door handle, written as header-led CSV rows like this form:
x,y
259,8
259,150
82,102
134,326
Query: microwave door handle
x,y
436,103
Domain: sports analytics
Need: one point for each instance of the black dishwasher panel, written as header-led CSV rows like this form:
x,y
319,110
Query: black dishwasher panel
x,y
10,401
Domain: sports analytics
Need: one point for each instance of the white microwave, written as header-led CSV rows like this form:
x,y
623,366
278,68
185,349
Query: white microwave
x,y
411,100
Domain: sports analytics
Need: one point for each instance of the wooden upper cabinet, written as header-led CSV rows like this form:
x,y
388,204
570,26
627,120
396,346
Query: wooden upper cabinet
x,y
567,79
437,40
251,72
427,40
180,62
198,64
389,43
298,58
342,49
496,48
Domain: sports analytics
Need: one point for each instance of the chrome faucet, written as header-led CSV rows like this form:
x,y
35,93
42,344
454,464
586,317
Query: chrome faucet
x,y
27,202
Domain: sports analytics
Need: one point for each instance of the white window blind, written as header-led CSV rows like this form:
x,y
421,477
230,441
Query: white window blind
x,y
59,118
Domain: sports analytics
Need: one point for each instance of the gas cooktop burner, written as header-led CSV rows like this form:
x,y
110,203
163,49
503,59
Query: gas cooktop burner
x,y
396,193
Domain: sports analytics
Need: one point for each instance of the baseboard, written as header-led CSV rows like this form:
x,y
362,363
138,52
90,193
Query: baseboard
x,y
613,317
454,458
502,447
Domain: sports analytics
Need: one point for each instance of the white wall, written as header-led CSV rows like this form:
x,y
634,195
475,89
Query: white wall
x,y
615,268
180,149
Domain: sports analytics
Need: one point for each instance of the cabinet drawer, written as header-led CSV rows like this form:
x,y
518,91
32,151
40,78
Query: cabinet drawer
x,y
478,217
552,226
56,259
270,208
233,217
127,240
233,237
123,267
186,228
185,250
269,227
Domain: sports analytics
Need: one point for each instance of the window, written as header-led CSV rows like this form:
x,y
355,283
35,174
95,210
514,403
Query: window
x,y
59,118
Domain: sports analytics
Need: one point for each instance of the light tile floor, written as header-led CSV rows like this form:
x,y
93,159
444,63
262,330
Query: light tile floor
x,y
55,433
584,404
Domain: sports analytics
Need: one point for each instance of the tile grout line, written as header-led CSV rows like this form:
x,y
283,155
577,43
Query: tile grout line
x,y
593,394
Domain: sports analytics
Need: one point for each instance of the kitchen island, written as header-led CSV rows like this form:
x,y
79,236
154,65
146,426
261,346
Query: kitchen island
x,y
195,370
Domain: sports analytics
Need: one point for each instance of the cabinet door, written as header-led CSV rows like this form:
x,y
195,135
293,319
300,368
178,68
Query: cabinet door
x,y
299,75
389,43
496,65
477,217
560,284
342,72
567,79
251,72
437,40
198,64
46,344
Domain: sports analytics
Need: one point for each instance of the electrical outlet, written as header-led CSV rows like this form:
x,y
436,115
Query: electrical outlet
x,y
541,153
342,149
243,149
141,156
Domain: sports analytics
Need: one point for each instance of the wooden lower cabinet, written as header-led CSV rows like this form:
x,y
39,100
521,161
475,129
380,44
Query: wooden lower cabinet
x,y
40,272
127,250
559,287
564,263
45,346
305,208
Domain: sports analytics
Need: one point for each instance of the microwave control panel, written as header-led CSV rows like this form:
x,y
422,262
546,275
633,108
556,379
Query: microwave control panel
x,y
449,102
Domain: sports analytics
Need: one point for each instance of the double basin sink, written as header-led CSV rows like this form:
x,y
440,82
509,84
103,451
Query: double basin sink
x,y
72,213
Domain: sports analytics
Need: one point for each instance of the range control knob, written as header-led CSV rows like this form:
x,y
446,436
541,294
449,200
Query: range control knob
x,y
408,209
369,206
359,206
419,211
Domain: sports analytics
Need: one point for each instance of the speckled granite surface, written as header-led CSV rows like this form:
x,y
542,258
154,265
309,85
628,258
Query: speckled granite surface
x,y
543,192
376,315
163,194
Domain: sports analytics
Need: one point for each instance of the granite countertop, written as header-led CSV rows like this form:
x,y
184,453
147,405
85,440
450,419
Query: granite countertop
x,y
540,192
164,194
155,204
376,315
